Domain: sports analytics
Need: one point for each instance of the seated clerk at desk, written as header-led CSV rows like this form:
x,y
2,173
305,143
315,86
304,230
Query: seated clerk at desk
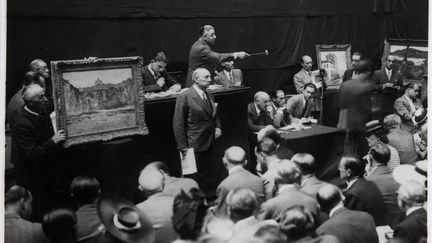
x,y
229,75
155,78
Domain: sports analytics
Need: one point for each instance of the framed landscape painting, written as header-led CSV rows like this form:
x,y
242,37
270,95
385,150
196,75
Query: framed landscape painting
x,y
334,59
98,100
410,58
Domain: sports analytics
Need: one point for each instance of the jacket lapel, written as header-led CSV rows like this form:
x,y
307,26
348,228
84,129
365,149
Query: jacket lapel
x,y
200,102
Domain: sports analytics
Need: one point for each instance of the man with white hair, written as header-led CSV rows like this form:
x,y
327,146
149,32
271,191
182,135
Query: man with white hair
x,y
158,206
196,125
411,199
201,55
401,140
34,143
258,115
238,177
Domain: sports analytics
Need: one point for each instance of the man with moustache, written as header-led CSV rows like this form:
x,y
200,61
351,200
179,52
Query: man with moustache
x,y
201,55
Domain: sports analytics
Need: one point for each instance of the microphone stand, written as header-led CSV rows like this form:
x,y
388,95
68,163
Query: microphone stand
x,y
322,73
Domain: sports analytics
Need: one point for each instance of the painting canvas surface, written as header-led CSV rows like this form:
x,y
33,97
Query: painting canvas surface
x,y
335,64
99,100
410,60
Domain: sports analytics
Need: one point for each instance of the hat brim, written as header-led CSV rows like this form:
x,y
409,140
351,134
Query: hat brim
x,y
404,173
108,205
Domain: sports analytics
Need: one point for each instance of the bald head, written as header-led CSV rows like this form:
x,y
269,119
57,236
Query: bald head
x,y
287,173
201,78
410,194
32,92
329,196
306,62
151,180
38,65
305,162
261,99
235,156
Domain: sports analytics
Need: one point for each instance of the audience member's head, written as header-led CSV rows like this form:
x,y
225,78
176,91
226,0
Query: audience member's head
x,y
242,203
261,99
411,194
355,58
328,197
159,62
269,234
305,162
228,65
234,156
351,166
380,154
389,61
375,133
266,149
189,209
297,222
19,200
412,90
278,98
41,67
364,66
306,62
207,33
151,181
158,165
201,78
85,190
34,98
33,77
308,90
269,132
392,121
59,225
287,173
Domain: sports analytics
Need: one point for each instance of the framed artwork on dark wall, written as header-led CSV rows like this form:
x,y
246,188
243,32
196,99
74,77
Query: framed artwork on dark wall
x,y
334,59
98,100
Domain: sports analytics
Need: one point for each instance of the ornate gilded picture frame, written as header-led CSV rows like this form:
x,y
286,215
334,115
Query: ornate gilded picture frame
x,y
334,59
98,100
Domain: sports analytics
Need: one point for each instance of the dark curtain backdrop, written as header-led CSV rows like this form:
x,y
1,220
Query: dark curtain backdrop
x,y
63,29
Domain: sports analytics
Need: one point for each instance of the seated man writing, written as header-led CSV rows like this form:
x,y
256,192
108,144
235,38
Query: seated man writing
x,y
155,78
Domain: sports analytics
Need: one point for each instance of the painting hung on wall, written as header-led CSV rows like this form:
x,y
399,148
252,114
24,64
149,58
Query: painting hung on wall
x,y
334,59
98,100
410,58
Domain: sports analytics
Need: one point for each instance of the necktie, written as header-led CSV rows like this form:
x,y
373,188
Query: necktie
x,y
389,74
204,97
230,77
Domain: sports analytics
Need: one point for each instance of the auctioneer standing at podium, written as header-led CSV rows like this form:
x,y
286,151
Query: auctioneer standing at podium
x,y
201,55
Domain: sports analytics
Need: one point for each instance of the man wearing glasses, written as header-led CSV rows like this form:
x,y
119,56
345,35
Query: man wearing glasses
x,y
406,105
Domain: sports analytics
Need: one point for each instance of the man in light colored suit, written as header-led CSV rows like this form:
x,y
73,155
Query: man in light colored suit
x,y
345,224
381,175
242,205
288,195
300,105
401,140
309,183
238,177
406,105
196,125
158,206
229,75
201,55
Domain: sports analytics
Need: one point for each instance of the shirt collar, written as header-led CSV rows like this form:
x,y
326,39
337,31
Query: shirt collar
x,y
151,70
351,183
284,187
308,177
258,111
227,73
200,91
237,167
242,222
31,112
334,209
409,211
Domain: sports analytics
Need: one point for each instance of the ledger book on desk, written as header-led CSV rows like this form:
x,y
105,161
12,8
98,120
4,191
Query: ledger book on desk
x,y
188,162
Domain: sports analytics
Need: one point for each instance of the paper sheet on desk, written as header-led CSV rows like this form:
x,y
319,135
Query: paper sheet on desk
x,y
188,162
384,231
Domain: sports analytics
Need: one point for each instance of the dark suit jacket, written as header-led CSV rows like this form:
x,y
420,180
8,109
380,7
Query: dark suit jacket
x,y
241,178
273,208
413,228
403,142
237,77
88,221
158,209
365,196
380,78
201,56
19,230
350,226
195,121
348,75
15,105
403,109
296,107
149,81
255,122
383,178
